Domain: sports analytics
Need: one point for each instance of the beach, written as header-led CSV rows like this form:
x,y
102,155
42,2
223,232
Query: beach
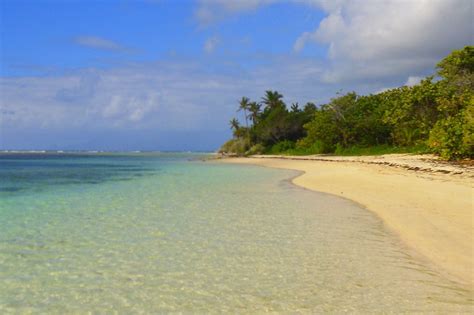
x,y
168,232
426,202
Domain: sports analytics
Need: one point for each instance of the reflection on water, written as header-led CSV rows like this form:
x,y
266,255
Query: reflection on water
x,y
197,238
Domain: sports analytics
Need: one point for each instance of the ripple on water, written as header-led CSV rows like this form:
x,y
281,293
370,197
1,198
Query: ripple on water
x,y
216,238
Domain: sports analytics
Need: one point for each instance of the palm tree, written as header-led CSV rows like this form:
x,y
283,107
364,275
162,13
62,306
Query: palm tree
x,y
295,107
234,124
254,109
272,99
244,105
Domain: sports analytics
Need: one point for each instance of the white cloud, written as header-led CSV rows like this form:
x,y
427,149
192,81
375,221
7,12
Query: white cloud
x,y
372,39
211,44
99,43
166,95
123,109
388,37
301,41
163,96
158,99
413,80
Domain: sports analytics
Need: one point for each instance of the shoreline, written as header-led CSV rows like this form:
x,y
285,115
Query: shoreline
x,y
426,202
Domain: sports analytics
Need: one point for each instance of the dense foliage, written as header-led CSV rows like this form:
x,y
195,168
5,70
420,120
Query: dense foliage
x,y
436,115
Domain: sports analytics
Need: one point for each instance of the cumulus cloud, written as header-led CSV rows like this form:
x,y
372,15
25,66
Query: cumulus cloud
x,y
133,108
389,37
372,39
99,43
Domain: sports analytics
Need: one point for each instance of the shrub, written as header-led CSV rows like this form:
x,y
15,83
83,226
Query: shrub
x,y
282,146
452,137
255,149
236,146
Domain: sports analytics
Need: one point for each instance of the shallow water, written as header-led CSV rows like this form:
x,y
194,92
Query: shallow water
x,y
166,233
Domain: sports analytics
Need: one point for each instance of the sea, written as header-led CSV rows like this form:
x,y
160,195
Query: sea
x,y
150,232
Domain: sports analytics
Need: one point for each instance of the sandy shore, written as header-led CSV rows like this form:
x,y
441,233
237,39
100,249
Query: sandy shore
x,y
428,203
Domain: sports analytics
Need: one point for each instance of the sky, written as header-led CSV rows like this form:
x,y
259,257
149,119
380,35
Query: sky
x,y
168,74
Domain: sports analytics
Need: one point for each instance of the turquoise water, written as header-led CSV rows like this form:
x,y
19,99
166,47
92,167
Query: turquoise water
x,y
144,233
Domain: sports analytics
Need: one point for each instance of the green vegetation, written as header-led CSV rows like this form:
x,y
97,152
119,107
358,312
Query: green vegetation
x,y
437,115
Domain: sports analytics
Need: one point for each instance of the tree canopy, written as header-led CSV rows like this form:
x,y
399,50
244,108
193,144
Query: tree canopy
x,y
436,115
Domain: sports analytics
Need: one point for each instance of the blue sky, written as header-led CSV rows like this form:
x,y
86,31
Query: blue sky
x,y
48,33
166,75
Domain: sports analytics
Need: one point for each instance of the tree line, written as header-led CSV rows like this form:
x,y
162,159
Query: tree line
x,y
436,115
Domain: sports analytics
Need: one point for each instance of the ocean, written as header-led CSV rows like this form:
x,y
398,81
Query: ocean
x,y
169,232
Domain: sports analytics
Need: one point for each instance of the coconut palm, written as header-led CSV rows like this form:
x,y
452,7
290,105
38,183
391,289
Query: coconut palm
x,y
272,99
254,109
295,107
234,124
244,105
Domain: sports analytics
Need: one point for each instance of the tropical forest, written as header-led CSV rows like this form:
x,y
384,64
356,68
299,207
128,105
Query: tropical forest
x,y
434,116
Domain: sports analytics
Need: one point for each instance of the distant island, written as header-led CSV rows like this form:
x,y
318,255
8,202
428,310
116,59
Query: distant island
x,y
434,116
